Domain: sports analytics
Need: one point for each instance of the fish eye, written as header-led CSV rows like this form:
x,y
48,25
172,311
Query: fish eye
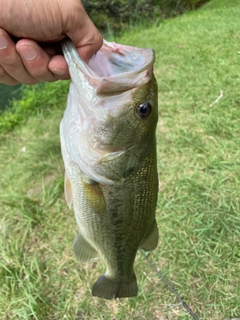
x,y
144,110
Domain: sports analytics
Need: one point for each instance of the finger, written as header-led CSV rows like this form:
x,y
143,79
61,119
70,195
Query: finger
x,y
58,67
11,61
6,79
91,47
86,38
36,60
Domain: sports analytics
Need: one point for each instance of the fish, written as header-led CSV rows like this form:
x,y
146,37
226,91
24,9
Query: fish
x,y
108,144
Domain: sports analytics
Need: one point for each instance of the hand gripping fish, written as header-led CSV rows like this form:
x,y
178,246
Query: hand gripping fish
x,y
109,150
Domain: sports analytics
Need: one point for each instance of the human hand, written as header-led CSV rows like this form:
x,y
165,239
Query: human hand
x,y
40,25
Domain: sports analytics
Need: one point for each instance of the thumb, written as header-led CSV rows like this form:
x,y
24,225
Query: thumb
x,y
85,36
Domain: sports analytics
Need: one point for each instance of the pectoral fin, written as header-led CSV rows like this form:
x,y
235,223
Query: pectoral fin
x,y
94,196
68,191
83,250
150,242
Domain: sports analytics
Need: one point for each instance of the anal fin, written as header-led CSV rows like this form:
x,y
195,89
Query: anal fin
x,y
150,242
83,250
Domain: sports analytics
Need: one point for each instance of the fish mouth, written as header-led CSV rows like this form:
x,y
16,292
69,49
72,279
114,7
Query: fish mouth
x,y
113,68
115,59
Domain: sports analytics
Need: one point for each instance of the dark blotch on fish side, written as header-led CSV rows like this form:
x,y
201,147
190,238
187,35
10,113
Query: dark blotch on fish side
x,y
127,172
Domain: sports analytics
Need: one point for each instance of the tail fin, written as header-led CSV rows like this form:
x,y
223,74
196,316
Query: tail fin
x,y
111,289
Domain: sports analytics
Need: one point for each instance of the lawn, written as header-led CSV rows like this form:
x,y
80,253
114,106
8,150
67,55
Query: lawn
x,y
198,212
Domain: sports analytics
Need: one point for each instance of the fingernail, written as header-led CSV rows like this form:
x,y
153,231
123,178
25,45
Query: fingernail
x,y
3,42
28,52
59,72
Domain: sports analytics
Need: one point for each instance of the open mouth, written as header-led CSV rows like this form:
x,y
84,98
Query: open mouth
x,y
114,59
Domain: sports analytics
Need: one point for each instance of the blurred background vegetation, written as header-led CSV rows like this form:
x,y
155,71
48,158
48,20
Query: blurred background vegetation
x,y
119,15
7,94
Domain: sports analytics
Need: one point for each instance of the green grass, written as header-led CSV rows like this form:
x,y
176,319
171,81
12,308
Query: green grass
x,y
34,101
197,55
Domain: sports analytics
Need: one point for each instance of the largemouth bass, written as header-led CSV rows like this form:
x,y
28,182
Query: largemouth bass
x,y
109,151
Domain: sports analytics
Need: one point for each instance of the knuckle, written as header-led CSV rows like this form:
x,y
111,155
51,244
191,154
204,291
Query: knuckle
x,y
6,79
12,70
42,75
9,57
63,77
2,72
30,82
39,71
12,82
